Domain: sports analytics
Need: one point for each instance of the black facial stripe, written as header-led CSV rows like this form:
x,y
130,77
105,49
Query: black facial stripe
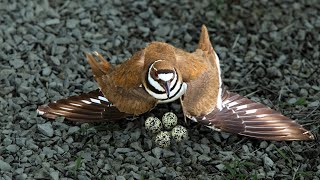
x,y
177,91
175,83
165,71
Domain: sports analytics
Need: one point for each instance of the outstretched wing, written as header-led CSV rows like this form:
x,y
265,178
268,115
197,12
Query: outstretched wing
x,y
243,116
89,107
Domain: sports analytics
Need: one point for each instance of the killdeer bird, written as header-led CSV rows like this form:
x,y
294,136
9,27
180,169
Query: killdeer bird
x,y
161,73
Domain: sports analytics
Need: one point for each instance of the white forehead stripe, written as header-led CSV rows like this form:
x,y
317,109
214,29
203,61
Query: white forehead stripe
x,y
165,76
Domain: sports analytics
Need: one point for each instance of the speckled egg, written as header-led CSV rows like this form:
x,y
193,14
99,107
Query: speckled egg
x,y
163,139
169,120
153,125
179,133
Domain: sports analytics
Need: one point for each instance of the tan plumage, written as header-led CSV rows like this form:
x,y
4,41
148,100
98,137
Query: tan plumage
x,y
133,88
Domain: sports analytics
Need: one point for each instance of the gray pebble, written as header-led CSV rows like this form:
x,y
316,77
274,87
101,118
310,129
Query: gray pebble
x,y
314,104
83,177
273,72
72,23
7,141
162,31
46,71
221,167
73,130
136,146
123,150
267,161
263,144
292,100
157,152
187,37
54,175
303,93
22,176
216,137
4,166
167,153
204,157
12,148
55,60
120,178
52,21
46,129
4,73
17,63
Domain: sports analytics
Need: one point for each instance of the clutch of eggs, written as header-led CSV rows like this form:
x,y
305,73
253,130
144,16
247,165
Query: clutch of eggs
x,y
169,122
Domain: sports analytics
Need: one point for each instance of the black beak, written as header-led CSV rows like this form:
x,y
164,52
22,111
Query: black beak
x,y
166,86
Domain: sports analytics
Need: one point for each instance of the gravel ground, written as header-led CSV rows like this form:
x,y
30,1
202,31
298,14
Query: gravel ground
x,y
269,50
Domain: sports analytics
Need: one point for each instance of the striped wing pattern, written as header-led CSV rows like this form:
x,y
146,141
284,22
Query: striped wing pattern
x,y
89,107
243,116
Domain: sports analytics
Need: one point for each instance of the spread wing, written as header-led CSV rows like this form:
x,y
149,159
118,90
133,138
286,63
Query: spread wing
x,y
122,84
243,116
89,107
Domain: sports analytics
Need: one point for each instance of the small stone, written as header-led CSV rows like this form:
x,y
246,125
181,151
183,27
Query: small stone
x,y
21,142
72,23
303,92
73,129
17,63
314,104
4,166
52,22
120,178
245,148
12,148
123,150
162,31
82,177
187,37
55,60
167,153
22,176
216,137
263,144
273,72
46,71
292,101
260,72
46,129
221,167
204,157
136,146
54,175
225,135
268,162
157,152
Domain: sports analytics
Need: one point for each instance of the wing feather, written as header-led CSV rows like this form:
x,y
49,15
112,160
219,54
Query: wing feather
x,y
243,116
89,107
